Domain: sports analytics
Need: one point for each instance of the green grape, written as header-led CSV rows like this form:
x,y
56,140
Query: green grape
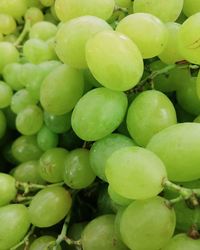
x,y
78,173
72,37
14,224
128,172
61,90
123,3
58,123
188,97
49,206
28,172
7,24
5,94
68,9
8,54
167,11
15,8
150,112
21,100
43,30
99,234
25,148
89,79
34,3
182,242
8,189
148,224
53,13
191,7
103,148
29,120
171,53
52,164
188,39
47,3
34,15
43,242
28,72
118,199
47,139
3,124
114,60
178,147
11,75
98,113
143,35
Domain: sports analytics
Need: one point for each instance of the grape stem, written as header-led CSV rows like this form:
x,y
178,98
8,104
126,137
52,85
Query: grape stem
x,y
24,32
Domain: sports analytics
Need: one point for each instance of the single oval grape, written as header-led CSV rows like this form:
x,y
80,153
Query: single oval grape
x,y
47,139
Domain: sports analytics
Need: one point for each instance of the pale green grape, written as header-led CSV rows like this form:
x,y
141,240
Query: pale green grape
x,y
72,37
7,24
135,173
123,3
171,53
47,3
191,7
114,60
68,9
43,242
34,15
103,148
150,112
78,173
5,94
148,224
182,242
178,147
118,199
49,206
8,54
61,90
3,124
167,11
100,234
15,8
11,75
43,30
142,29
98,113
188,39
47,139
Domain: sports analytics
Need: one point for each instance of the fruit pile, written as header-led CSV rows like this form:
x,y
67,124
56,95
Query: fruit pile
x,y
99,125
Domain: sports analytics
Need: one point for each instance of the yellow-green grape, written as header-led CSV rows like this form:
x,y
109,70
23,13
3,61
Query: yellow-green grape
x,y
11,75
14,8
167,11
171,53
43,30
5,95
146,31
191,7
47,3
114,60
34,3
7,24
123,3
34,15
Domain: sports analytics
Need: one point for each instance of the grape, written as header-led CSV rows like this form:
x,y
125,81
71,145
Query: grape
x,y
188,39
68,9
8,190
118,199
98,113
43,242
143,35
25,148
8,53
182,242
5,95
14,223
43,30
114,60
147,224
171,53
11,75
15,8
49,206
77,172
3,124
47,3
191,7
178,147
73,36
142,123
29,120
167,11
99,234
34,15
61,90
7,24
128,172
28,72
34,3
123,3
52,164
103,148
47,139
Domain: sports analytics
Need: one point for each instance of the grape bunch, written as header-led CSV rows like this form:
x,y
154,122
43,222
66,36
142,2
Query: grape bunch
x,y
99,125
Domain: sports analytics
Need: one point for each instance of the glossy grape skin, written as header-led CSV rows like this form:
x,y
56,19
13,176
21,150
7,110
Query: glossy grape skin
x,y
11,75
43,242
127,169
46,139
7,24
52,164
191,7
34,15
99,234
14,224
178,147
114,60
98,113
8,189
43,30
103,148
3,124
78,173
5,94
15,8
148,224
56,200
150,112
56,96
